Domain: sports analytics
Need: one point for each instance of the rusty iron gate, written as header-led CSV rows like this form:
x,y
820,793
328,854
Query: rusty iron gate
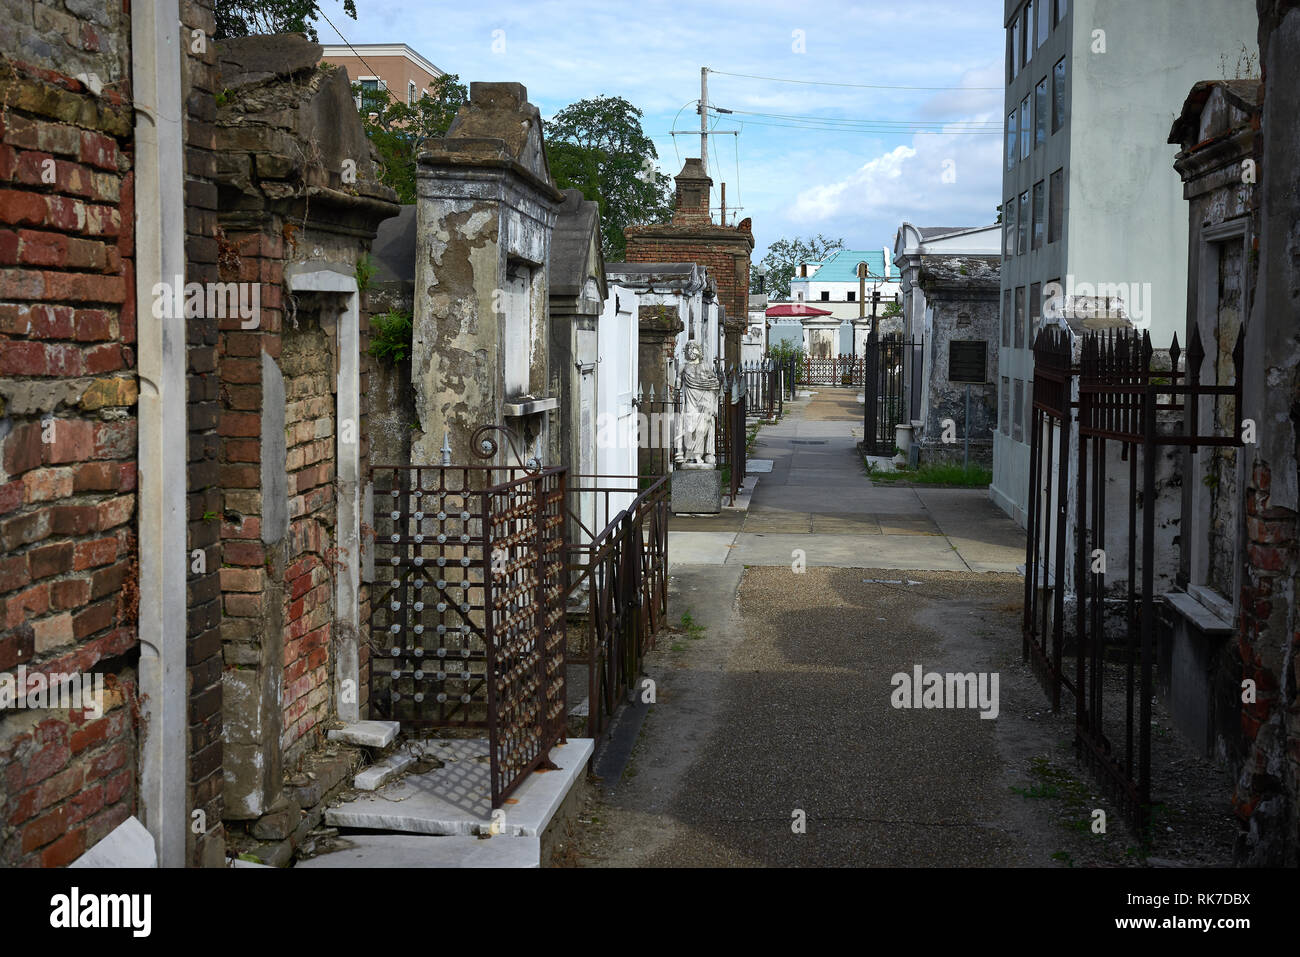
x,y
467,606
620,569
1049,473
1120,397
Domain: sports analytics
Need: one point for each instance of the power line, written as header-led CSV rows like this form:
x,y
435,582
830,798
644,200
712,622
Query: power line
x,y
860,130
346,43
856,86
973,124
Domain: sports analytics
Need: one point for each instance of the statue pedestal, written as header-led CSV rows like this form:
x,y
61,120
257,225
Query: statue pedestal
x,y
697,491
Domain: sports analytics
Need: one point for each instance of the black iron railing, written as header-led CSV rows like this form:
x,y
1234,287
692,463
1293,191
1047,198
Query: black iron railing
x,y
892,380
833,370
1119,398
619,575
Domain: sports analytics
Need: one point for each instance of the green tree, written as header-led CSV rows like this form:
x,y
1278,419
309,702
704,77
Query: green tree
x,y
597,146
242,18
399,131
785,255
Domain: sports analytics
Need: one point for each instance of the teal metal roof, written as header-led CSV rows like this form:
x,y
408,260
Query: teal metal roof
x,y
842,266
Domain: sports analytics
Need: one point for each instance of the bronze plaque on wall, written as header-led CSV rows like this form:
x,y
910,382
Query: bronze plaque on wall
x,y
967,360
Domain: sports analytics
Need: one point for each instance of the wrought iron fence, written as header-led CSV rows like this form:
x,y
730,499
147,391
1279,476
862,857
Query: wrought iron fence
x,y
1119,398
763,383
834,370
619,574
735,400
467,609
892,367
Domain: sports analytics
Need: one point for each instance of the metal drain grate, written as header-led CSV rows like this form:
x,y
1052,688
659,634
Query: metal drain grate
x,y
807,441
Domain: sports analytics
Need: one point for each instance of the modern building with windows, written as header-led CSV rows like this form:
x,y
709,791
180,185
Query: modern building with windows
x,y
1091,216
384,66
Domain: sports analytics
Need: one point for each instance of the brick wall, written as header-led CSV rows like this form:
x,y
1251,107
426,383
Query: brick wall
x,y
67,424
1264,630
723,251
307,361
203,658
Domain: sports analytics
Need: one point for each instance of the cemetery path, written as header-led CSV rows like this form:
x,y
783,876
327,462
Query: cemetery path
x,y
817,499
776,736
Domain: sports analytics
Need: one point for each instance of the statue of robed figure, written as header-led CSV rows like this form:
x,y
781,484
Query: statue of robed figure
x,y
697,424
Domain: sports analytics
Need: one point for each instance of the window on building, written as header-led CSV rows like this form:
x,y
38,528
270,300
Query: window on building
x,y
826,295
1044,22
1029,405
1022,228
1006,319
1035,311
850,296
1018,427
1009,227
1016,46
367,84
1040,220
1026,129
1020,317
1011,140
1040,113
1062,8
1028,32
1056,206
1005,415
410,93
1058,95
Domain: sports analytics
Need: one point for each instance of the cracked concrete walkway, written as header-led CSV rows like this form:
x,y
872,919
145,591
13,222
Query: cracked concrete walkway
x,y
818,499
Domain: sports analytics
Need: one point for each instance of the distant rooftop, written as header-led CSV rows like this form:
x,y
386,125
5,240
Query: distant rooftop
x,y
362,50
842,266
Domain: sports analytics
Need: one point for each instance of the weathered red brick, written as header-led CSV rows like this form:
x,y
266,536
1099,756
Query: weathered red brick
x,y
102,551
52,559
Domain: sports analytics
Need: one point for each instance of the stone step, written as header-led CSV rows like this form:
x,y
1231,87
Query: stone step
x,y
414,850
455,799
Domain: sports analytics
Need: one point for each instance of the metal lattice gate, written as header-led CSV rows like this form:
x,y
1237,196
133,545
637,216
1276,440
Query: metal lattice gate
x,y
467,607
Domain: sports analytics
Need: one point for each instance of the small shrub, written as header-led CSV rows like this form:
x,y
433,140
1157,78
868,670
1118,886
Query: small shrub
x,y
390,336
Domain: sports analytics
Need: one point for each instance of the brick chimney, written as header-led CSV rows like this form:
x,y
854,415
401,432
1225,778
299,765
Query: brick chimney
x,y
692,202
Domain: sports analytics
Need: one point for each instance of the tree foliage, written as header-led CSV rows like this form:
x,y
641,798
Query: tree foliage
x,y
399,131
597,146
784,256
242,18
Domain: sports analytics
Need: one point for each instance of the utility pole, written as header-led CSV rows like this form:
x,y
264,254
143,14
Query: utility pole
x,y
704,119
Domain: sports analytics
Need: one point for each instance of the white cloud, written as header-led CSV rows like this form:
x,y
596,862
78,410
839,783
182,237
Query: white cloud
x,y
868,187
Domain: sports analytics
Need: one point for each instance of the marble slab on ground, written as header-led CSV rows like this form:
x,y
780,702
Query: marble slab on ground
x,y
383,771
418,850
757,466
369,734
456,798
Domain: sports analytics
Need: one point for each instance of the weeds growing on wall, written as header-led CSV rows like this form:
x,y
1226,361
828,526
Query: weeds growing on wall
x,y
390,336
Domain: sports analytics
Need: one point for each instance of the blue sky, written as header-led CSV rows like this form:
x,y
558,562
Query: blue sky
x,y
857,183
